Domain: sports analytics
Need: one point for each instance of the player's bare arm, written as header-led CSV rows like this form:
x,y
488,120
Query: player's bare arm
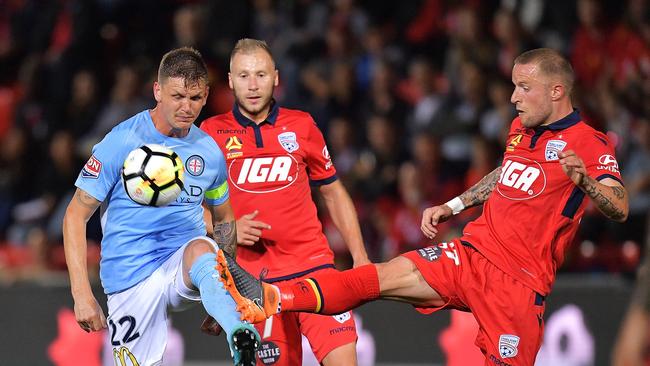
x,y
344,215
608,195
87,311
225,228
480,192
611,199
474,196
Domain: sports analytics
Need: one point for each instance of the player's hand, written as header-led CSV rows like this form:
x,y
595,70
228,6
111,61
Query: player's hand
x,y
431,217
89,314
250,230
210,326
572,166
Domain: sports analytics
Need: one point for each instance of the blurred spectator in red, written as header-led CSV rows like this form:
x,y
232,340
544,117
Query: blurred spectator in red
x,y
495,121
376,170
468,42
419,90
636,173
512,40
341,141
403,232
381,97
82,109
125,100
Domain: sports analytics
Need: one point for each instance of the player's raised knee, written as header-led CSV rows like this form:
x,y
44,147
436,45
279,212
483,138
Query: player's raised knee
x,y
197,248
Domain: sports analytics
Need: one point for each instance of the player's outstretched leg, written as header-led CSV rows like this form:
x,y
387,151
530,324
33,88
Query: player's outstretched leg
x,y
243,339
244,342
327,293
256,300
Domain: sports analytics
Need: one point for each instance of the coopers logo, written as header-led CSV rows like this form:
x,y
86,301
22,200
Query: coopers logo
x,y
521,179
263,175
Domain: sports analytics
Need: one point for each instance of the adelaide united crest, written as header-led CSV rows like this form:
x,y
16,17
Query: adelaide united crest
x,y
288,141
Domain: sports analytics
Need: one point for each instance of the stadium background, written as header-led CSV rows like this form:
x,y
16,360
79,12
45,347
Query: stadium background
x,y
413,99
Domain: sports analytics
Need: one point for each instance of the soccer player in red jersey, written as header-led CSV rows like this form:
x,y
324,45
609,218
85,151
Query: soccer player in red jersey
x,y
502,267
272,155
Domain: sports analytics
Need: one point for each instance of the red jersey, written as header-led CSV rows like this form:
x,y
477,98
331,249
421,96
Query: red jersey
x,y
270,167
533,213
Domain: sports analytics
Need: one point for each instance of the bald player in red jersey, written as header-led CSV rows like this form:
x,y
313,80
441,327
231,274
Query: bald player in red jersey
x,y
503,266
273,155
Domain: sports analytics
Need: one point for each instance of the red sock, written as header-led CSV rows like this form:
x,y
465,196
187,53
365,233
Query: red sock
x,y
331,292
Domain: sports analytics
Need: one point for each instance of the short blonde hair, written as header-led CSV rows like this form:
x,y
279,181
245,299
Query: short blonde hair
x,y
551,63
249,45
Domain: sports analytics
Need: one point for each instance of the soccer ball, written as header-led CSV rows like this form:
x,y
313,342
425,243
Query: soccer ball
x,y
153,175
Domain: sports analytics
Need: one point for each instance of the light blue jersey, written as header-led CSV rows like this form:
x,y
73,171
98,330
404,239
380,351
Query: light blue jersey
x,y
138,239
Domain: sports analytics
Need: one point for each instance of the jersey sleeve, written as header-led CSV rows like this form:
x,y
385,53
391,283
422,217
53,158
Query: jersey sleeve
x,y
103,168
597,153
319,163
218,192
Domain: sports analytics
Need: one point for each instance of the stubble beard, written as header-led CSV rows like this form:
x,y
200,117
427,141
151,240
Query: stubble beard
x,y
252,112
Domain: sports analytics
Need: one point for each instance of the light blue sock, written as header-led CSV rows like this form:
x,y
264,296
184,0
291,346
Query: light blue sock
x,y
216,301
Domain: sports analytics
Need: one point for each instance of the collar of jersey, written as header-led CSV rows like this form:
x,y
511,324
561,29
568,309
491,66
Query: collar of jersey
x,y
566,122
245,121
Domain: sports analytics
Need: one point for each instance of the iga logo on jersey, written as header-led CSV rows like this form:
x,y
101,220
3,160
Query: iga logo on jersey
x,y
521,178
263,175
608,162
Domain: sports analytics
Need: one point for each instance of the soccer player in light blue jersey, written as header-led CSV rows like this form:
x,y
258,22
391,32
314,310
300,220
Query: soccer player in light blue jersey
x,y
156,259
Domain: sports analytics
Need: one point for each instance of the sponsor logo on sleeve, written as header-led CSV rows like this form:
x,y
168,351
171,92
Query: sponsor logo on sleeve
x,y
608,162
92,169
288,141
508,345
326,155
552,148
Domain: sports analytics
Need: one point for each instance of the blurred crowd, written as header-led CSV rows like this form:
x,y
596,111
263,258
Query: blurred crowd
x,y
412,96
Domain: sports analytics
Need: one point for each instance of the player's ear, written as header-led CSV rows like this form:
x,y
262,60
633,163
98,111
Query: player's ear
x,y
205,97
230,81
157,93
557,91
276,82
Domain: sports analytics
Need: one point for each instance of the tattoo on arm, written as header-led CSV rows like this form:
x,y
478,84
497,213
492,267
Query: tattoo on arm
x,y
85,199
619,192
225,234
604,203
480,192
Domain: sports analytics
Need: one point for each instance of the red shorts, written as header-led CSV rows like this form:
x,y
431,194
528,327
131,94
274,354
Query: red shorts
x,y
509,314
282,340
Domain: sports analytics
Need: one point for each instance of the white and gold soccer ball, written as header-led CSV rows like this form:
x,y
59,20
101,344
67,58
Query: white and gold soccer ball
x,y
153,175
